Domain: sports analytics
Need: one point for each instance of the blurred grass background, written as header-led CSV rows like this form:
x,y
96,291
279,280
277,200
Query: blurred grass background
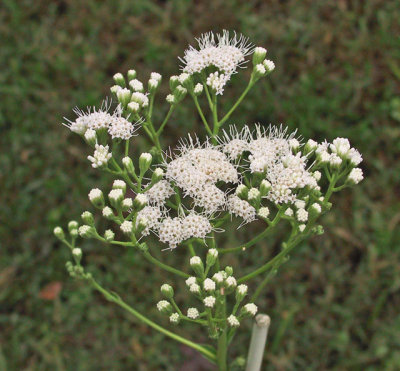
x,y
334,305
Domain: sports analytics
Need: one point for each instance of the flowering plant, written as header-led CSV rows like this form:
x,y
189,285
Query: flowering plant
x,y
188,195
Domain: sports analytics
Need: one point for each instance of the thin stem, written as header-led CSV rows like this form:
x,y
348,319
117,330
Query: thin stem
x,y
196,102
117,300
161,128
166,267
248,87
222,346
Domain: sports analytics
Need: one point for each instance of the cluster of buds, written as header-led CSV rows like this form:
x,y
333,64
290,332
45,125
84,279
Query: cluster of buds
x,y
212,290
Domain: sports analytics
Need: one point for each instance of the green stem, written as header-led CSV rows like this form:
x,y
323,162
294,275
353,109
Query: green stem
x,y
196,102
222,345
161,265
115,299
161,128
226,117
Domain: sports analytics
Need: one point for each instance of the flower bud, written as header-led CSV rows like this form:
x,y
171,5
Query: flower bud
x,y
140,201
157,175
198,89
242,191
153,85
263,212
179,93
259,71
73,233
197,265
269,65
233,321
116,196
310,146
73,224
119,184
355,176
124,96
86,231
241,292
108,213
193,313
127,204
88,218
249,309
265,187
209,284
167,291
126,227
230,282
77,253
133,107
294,144
141,224
174,318
170,99
114,89
96,198
131,75
145,162
128,165
109,235
136,85
315,210
254,195
229,270
259,55
211,258
173,82
186,80
59,233
119,79
90,137
164,307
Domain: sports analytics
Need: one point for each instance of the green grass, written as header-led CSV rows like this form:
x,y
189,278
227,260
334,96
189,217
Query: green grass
x,y
334,305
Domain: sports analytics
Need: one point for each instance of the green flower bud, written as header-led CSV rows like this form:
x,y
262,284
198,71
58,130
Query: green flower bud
x,y
77,253
116,196
109,235
259,71
133,107
242,191
73,233
259,55
145,162
91,137
86,231
96,198
265,187
128,164
59,233
73,224
131,75
173,82
167,291
164,307
211,258
197,265
157,175
229,270
241,292
198,89
119,79
124,96
88,218
140,201
179,93
119,184
142,223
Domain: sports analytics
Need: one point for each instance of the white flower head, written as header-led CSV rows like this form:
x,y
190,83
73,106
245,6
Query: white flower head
x,y
233,321
209,301
192,313
251,308
100,157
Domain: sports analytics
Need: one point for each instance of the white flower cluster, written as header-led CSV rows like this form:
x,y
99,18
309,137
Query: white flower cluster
x,y
93,119
196,171
175,230
100,156
222,51
159,192
241,208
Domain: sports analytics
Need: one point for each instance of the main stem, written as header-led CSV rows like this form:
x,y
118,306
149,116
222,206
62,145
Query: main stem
x,y
222,346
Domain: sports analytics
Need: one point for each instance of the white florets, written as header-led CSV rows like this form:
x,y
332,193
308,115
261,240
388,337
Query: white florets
x,y
170,231
174,318
355,176
230,281
242,289
209,284
269,65
209,301
159,192
192,313
251,308
302,215
233,321
241,208
162,305
136,85
190,281
95,194
126,226
100,156
152,215
263,212
194,289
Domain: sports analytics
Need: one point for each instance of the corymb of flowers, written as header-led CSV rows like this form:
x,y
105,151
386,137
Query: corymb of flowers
x,y
189,195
